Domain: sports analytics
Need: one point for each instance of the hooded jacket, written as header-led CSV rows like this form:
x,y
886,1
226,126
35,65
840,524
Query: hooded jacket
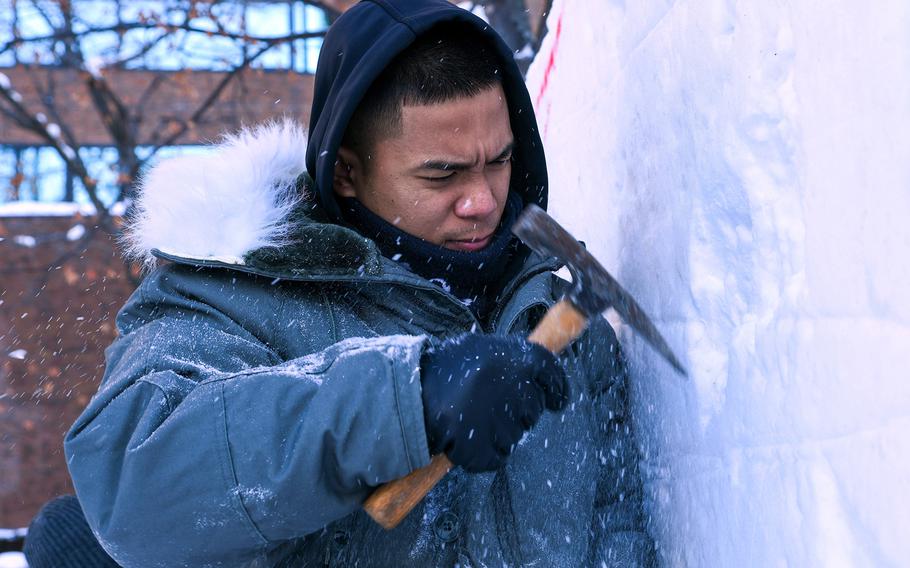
x,y
266,378
362,42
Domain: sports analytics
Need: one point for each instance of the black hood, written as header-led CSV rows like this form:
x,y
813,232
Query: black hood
x,y
361,43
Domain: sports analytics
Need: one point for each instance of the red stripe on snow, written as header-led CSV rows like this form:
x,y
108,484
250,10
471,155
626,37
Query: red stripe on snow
x,y
551,62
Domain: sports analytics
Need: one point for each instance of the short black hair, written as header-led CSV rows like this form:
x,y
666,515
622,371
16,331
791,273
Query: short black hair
x,y
450,61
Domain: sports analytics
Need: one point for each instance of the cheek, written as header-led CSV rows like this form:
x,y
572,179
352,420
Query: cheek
x,y
500,181
436,208
391,193
425,213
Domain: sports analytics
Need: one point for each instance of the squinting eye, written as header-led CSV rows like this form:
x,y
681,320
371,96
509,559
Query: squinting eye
x,y
443,178
502,161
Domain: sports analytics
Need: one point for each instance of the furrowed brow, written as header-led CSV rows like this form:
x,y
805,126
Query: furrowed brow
x,y
445,166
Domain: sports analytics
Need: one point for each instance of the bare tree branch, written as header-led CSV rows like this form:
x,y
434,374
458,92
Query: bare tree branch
x,y
148,92
39,125
142,52
48,100
68,34
67,44
210,100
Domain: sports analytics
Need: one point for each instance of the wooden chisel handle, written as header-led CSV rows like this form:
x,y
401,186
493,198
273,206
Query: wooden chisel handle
x,y
391,503
560,326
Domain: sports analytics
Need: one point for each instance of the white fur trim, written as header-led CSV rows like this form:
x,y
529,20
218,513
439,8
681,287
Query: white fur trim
x,y
220,205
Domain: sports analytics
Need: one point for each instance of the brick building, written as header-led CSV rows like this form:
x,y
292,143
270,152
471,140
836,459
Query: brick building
x,y
56,318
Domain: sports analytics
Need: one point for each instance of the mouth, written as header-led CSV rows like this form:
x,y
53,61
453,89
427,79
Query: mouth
x,y
470,245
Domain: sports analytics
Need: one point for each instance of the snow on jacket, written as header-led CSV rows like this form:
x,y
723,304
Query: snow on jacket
x,y
266,378
253,400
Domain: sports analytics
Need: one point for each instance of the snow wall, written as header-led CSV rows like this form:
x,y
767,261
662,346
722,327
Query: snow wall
x,y
743,168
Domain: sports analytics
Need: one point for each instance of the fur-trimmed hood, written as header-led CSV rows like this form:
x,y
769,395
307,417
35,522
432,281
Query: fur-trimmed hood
x,y
244,205
224,204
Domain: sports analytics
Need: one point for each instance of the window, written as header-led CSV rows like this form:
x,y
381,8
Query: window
x,y
153,35
165,35
39,174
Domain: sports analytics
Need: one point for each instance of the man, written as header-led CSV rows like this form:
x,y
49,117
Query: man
x,y
302,349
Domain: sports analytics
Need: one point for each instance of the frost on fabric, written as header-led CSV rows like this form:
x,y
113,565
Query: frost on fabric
x,y
256,495
395,347
441,282
309,367
226,259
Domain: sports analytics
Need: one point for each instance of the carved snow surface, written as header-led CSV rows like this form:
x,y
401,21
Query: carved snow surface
x,y
743,173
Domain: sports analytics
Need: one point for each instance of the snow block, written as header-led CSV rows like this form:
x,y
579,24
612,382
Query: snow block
x,y
742,169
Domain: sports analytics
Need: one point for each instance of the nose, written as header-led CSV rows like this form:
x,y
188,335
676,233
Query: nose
x,y
477,201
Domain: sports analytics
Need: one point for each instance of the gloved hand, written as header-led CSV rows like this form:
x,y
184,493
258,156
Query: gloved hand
x,y
482,392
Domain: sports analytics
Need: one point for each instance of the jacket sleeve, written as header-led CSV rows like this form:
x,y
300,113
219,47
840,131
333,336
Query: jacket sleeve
x,y
202,447
618,527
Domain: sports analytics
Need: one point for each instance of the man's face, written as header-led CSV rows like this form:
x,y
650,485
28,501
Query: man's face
x,y
445,178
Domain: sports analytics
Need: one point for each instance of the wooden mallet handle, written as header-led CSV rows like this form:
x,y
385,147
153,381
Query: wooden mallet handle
x,y
391,503
560,326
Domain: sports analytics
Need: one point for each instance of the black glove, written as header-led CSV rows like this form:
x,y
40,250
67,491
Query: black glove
x,y
482,392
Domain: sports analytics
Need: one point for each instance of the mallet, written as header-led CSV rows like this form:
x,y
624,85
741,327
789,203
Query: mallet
x,y
593,291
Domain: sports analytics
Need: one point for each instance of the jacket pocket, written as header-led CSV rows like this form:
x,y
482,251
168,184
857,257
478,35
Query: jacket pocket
x,y
175,387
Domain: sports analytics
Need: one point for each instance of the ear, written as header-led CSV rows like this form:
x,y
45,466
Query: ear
x,y
348,173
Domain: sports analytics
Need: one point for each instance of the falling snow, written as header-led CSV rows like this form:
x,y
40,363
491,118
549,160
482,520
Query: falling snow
x,y
75,232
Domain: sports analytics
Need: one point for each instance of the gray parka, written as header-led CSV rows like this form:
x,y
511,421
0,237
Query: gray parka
x,y
257,394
